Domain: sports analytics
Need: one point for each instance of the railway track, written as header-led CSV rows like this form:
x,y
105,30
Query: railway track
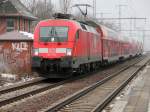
x,y
95,97
15,93
18,92
6,89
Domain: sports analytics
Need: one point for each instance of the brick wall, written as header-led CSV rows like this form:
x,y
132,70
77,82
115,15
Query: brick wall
x,y
19,24
15,57
2,25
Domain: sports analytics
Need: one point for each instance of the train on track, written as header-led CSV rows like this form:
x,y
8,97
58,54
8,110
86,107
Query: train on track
x,y
64,46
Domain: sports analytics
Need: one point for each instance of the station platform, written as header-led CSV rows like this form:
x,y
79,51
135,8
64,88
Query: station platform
x,y
135,97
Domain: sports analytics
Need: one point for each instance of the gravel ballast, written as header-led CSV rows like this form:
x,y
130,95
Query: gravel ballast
x,y
47,98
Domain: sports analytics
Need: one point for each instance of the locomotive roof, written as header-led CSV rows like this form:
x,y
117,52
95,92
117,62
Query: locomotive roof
x,y
91,25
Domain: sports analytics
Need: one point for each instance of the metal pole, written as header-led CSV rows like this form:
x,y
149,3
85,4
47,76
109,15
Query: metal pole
x,y
94,8
120,14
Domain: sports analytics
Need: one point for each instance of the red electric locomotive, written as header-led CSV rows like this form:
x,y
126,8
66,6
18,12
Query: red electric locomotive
x,y
64,46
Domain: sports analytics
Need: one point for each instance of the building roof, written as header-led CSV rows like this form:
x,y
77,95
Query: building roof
x,y
15,8
16,36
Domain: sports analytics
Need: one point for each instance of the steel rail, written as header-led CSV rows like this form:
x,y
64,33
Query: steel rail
x,y
57,106
34,92
109,98
24,95
37,91
4,90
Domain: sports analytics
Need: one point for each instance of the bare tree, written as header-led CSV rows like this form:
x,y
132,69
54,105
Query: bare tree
x,y
40,8
44,9
30,4
65,5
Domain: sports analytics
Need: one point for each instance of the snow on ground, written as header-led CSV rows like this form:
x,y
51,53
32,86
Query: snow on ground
x,y
8,84
8,76
30,35
11,79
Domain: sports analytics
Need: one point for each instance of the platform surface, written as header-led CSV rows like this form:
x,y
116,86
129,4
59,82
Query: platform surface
x,y
136,97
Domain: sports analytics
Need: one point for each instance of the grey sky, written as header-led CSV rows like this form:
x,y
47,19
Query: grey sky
x,y
134,8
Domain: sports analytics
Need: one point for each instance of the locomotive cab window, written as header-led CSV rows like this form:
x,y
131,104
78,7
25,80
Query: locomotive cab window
x,y
53,34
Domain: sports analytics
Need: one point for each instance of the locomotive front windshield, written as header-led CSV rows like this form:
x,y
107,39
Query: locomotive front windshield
x,y
53,34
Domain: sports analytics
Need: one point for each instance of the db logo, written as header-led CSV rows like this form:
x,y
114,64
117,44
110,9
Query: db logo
x,y
52,50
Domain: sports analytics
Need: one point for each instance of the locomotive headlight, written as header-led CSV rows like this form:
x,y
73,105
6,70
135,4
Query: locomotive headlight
x,y
36,52
68,53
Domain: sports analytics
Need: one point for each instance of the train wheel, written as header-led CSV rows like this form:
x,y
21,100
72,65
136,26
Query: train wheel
x,y
69,71
83,69
91,66
80,70
94,66
43,67
88,67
